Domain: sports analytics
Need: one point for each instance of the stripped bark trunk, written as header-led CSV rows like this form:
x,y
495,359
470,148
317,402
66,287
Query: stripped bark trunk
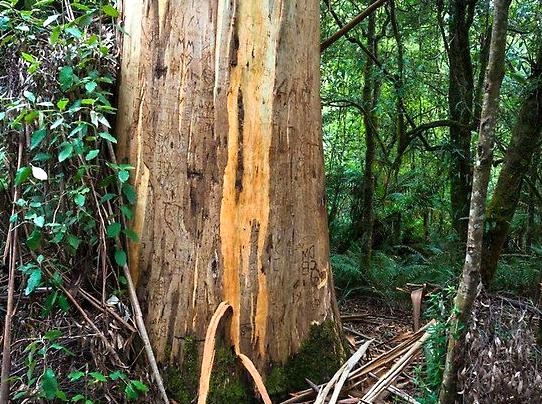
x,y
526,137
460,101
470,281
219,113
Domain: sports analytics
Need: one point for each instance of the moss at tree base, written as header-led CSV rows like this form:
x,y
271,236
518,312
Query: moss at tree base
x,y
227,385
319,357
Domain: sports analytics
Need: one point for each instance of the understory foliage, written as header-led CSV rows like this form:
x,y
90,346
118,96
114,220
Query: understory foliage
x,y
64,201
414,239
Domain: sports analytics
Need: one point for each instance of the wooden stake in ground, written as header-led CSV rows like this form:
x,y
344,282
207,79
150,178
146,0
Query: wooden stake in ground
x,y
470,281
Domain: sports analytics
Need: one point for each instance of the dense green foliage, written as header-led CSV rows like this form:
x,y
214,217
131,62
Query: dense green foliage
x,y
58,72
413,229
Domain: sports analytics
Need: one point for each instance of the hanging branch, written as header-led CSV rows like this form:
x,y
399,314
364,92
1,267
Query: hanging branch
x,y
348,27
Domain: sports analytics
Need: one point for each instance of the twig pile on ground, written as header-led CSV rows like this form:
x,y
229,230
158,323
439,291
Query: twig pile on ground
x,y
504,363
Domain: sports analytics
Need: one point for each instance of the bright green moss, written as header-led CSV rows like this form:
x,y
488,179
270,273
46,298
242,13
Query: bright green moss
x,y
319,357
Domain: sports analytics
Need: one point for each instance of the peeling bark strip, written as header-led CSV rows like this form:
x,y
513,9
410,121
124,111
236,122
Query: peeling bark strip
x,y
219,113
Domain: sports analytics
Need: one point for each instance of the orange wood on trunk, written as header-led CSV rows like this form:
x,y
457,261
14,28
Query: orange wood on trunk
x,y
219,113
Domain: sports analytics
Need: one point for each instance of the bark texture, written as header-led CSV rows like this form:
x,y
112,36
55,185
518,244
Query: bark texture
x,y
526,136
470,280
219,112
460,101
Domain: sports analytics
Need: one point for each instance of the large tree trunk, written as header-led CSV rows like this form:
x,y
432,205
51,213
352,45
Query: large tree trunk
x,y
460,100
470,281
525,139
219,113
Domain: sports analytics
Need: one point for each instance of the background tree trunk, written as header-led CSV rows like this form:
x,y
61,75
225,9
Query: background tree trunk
x,y
524,143
371,90
219,113
470,281
460,101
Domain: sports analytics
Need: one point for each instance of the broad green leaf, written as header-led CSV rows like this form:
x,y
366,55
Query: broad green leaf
x,y
79,200
75,32
65,152
130,392
90,86
61,104
140,386
98,376
110,11
66,77
107,197
55,34
91,154
63,303
127,212
49,384
39,221
123,175
129,193
76,375
120,258
59,121
50,19
107,136
34,240
22,175
52,335
132,235
73,241
29,96
117,375
37,137
33,282
28,57
113,230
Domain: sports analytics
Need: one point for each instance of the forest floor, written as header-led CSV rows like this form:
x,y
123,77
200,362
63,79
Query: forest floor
x,y
504,360
386,322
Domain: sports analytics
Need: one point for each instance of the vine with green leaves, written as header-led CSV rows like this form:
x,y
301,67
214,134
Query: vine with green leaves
x,y
65,202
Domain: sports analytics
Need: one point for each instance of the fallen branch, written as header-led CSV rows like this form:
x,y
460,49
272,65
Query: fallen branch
x,y
140,323
11,246
396,369
349,366
398,392
144,335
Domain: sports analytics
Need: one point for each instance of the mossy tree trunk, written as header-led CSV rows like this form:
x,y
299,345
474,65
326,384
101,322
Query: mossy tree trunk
x,y
219,113
470,281
526,136
460,101
370,94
